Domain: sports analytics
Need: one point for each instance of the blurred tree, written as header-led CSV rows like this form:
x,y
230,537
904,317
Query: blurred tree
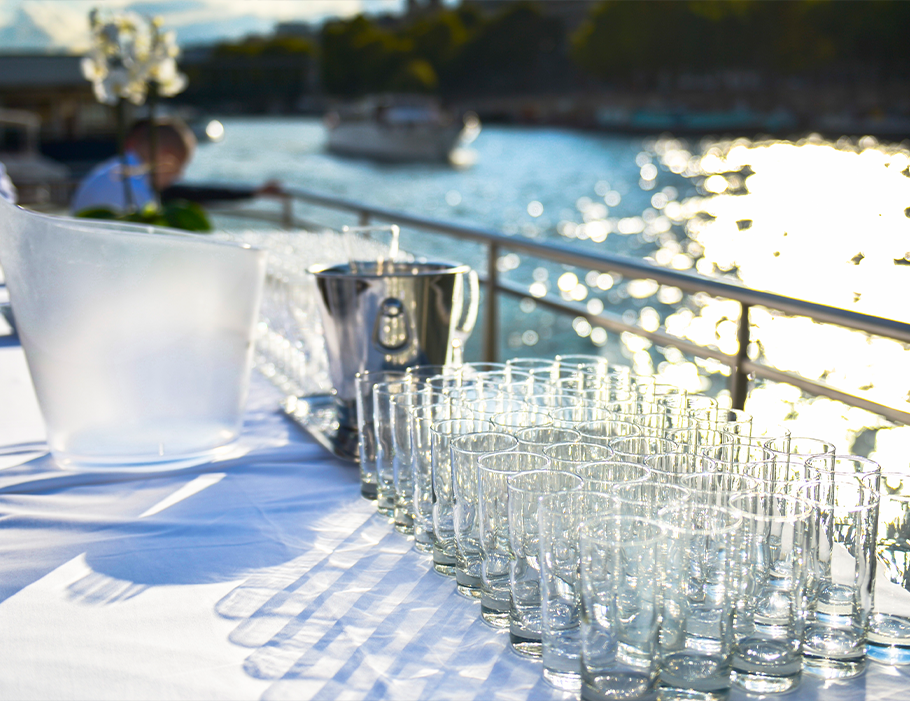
x,y
512,51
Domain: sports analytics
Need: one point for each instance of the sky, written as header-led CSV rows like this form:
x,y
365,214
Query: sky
x,y
62,25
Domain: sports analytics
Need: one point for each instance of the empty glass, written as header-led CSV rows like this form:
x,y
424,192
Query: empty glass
x,y
466,452
366,432
441,435
771,584
493,506
699,561
385,442
620,607
842,571
888,636
561,516
525,491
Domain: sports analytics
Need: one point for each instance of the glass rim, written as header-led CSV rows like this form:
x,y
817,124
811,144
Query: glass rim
x,y
861,485
585,532
514,479
835,457
598,446
461,438
790,437
451,422
497,469
807,507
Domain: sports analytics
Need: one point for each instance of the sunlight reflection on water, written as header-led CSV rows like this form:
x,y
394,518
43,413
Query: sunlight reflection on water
x,y
817,221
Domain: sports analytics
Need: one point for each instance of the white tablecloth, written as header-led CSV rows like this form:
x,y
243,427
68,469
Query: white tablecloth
x,y
265,576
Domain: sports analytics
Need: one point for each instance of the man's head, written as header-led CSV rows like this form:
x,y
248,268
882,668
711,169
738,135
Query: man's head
x,y
175,147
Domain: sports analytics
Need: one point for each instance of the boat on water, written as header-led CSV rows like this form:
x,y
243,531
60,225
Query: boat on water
x,y
399,129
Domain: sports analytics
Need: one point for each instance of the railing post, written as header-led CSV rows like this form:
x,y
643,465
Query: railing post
x,y
739,379
364,219
490,306
287,211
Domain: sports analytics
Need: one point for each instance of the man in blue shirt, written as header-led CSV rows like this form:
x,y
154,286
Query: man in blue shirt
x,y
124,185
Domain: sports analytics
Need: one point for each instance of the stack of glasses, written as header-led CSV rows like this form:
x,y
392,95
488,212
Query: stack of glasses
x,y
635,537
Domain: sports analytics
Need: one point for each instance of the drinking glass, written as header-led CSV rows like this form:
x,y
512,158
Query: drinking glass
x,y
620,607
888,636
561,516
699,558
366,430
493,506
525,491
384,426
441,435
771,586
403,403
842,572
466,451
423,417
534,439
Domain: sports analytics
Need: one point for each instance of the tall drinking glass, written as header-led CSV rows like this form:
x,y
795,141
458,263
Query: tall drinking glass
x,y
525,491
842,565
493,502
888,637
442,434
621,603
466,451
366,429
771,583
699,560
561,516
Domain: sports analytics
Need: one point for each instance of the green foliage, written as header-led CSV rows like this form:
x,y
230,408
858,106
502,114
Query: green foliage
x,y
179,214
267,46
789,36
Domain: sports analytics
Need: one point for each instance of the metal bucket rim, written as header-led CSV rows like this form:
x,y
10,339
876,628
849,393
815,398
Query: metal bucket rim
x,y
439,267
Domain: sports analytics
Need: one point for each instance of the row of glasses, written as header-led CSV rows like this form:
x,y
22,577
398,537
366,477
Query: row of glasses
x,y
751,540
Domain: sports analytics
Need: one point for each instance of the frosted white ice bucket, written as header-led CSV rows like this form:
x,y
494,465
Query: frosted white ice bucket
x,y
139,340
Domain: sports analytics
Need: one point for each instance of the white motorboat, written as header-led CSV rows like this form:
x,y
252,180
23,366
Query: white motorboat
x,y
413,130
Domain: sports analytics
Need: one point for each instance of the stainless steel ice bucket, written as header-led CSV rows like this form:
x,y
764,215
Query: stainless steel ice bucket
x,y
392,315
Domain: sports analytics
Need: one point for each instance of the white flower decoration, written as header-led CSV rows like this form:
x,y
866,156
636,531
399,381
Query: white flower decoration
x,y
128,52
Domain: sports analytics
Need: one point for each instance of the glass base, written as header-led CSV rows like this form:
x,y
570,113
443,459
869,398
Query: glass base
x,y
616,686
495,612
422,546
523,645
467,585
888,654
368,491
566,681
443,563
827,668
755,683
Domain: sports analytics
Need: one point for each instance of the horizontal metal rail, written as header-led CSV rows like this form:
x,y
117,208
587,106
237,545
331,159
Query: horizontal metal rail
x,y
742,367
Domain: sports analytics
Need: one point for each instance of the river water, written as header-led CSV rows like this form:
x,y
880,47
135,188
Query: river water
x,y
816,220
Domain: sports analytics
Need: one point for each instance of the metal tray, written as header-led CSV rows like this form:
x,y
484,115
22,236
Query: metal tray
x,y
317,414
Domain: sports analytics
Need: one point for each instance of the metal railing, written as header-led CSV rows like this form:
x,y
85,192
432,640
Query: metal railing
x,y
740,364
